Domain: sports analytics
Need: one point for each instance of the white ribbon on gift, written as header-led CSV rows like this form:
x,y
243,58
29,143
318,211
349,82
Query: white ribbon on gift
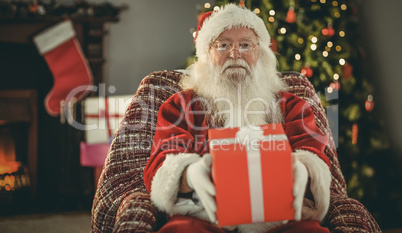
x,y
246,136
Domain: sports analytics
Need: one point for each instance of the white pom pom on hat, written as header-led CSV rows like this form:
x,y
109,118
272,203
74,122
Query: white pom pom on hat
x,y
213,23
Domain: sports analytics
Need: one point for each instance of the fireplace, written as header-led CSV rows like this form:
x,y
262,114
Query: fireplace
x,y
14,176
18,145
45,147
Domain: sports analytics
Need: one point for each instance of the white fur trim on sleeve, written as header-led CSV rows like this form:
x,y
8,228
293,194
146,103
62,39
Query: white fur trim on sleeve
x,y
54,36
320,177
166,182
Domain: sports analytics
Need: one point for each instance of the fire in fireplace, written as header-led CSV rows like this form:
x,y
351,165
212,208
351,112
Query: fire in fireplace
x,y
13,175
18,145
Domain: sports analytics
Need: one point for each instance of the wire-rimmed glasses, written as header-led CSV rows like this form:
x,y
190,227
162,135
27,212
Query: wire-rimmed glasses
x,y
224,48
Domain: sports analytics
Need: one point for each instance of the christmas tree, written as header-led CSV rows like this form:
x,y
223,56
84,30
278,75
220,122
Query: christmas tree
x,y
322,40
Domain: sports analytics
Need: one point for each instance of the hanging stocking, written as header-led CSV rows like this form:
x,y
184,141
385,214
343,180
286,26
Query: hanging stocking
x,y
67,63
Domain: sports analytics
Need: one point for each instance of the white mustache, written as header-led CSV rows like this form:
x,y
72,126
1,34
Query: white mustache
x,y
229,63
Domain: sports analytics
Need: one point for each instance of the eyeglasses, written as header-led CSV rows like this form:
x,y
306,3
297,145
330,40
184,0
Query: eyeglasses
x,y
224,48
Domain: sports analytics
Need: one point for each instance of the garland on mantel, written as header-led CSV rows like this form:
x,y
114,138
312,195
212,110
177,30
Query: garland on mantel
x,y
39,9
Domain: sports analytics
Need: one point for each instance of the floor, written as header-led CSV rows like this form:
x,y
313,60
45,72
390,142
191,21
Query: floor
x,y
70,222
393,231
77,222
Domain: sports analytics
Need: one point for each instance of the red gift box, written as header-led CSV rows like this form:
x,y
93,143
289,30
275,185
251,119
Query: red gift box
x,y
252,173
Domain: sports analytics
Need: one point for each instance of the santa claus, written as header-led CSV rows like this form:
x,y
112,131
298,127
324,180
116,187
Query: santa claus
x,y
234,83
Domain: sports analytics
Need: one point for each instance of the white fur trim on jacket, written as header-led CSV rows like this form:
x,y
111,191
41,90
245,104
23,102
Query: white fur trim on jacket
x,y
54,36
320,181
229,16
165,186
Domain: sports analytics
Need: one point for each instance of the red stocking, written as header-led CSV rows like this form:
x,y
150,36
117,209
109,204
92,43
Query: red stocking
x,y
66,61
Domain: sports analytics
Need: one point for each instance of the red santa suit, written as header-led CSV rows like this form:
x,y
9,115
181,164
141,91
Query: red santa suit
x,y
181,138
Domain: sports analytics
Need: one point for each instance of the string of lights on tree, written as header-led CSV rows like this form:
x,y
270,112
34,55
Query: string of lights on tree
x,y
305,40
320,39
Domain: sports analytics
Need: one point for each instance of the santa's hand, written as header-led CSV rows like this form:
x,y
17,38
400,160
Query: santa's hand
x,y
198,178
300,178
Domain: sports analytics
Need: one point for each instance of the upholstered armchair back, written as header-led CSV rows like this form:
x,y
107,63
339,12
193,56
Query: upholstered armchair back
x,y
122,203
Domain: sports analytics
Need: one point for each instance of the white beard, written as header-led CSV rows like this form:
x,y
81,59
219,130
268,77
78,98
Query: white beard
x,y
238,96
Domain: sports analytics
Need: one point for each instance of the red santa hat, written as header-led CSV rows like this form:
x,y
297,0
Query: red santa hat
x,y
213,23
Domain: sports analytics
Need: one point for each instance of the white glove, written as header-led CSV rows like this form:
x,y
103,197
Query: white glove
x,y
198,178
300,178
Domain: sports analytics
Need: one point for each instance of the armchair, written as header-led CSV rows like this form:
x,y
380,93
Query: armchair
x,y
122,204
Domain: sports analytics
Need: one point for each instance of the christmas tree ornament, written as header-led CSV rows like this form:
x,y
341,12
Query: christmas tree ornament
x,y
291,15
335,86
241,4
347,70
63,54
355,133
307,71
329,31
369,105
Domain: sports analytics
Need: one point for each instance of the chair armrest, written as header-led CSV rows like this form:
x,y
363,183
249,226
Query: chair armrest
x,y
107,204
346,214
136,213
121,185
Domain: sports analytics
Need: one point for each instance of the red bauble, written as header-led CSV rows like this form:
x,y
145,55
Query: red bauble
x,y
355,133
347,71
241,4
306,70
369,105
335,86
328,31
291,15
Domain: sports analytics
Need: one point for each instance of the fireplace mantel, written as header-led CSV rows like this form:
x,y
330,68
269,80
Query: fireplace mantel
x,y
21,30
90,31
